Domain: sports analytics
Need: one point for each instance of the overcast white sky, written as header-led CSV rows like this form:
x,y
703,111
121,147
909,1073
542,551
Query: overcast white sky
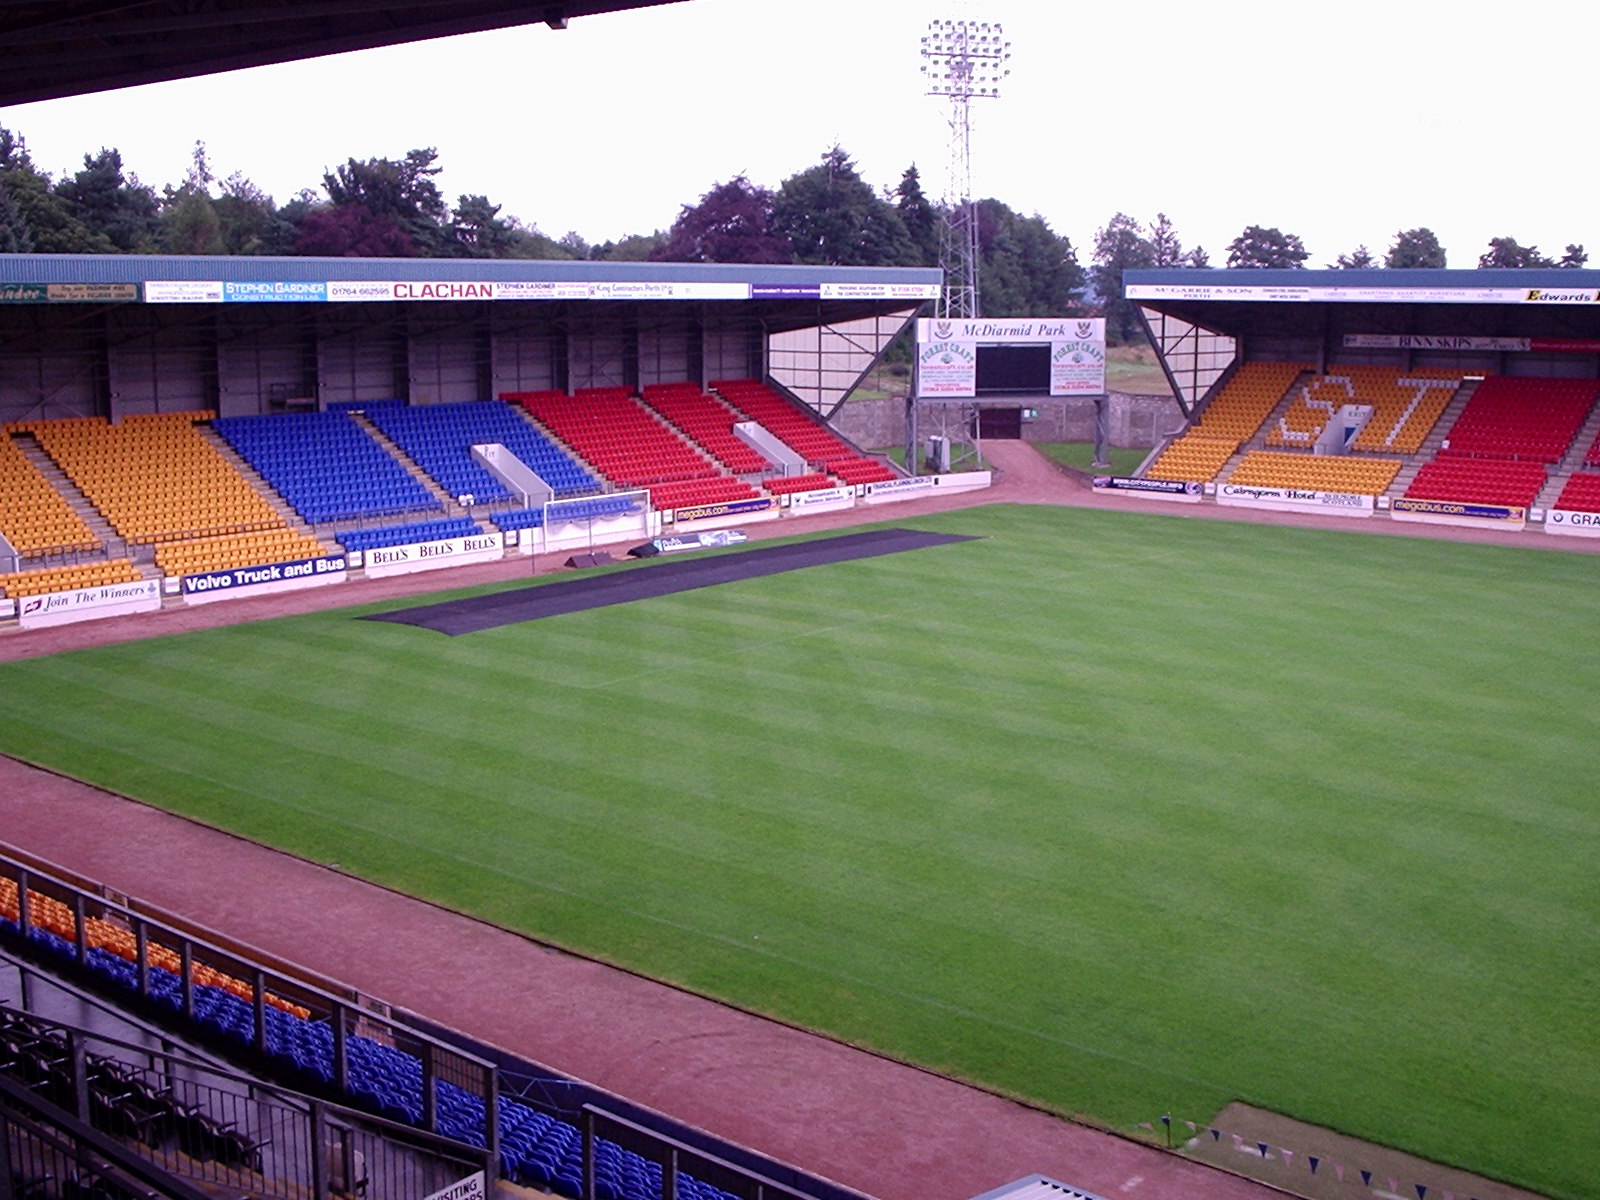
x,y
1341,124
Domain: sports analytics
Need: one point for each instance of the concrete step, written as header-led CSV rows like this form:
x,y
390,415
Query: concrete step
x,y
262,487
99,527
452,507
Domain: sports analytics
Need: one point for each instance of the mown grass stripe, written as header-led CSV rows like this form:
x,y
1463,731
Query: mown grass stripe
x,y
1125,813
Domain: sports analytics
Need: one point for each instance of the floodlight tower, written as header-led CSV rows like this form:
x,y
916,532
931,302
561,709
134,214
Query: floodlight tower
x,y
964,60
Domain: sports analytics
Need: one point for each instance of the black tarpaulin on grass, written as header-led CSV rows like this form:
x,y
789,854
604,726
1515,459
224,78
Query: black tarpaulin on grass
x,y
641,581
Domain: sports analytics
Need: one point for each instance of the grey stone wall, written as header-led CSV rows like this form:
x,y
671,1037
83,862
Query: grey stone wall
x,y
1137,422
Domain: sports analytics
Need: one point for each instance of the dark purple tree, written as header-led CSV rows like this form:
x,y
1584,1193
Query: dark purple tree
x,y
731,224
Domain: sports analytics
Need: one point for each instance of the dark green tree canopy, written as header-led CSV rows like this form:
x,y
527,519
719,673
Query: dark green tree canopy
x,y
830,215
1505,252
1120,245
477,230
920,216
1261,246
15,236
1415,248
1358,259
395,194
1026,270
1165,248
112,204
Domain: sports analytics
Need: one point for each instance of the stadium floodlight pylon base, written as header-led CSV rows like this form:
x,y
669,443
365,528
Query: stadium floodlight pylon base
x,y
957,421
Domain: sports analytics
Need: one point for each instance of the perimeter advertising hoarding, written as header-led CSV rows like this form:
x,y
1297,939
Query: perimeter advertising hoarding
x,y
206,586
948,349
1452,512
357,291
1572,523
1495,345
89,604
704,512
1156,489
1344,504
429,556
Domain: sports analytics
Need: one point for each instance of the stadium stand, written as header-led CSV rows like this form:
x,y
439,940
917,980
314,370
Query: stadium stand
x,y
1531,420
42,580
237,550
1498,450
439,439
1234,415
1318,473
325,466
1406,405
708,422
824,450
1193,458
1469,480
632,447
779,485
154,476
1581,493
536,1148
35,518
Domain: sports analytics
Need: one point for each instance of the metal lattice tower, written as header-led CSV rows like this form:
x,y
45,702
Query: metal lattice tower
x,y
964,60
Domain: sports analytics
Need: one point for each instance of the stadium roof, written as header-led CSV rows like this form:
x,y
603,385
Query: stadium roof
x,y
67,47
1245,302
1203,321
779,296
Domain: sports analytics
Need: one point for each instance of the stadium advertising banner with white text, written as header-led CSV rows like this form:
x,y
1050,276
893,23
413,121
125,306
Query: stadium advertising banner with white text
x,y
1157,489
206,586
357,291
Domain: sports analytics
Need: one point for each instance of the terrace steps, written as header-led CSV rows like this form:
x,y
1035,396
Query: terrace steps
x,y
103,531
392,448
1435,438
290,518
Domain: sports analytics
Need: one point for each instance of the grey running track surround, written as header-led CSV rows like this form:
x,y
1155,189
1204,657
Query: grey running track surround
x,y
655,578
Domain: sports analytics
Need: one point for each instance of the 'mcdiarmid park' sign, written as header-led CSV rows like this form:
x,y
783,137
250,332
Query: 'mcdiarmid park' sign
x,y
1071,359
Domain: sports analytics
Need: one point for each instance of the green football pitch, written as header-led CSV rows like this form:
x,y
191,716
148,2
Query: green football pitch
x,y
1126,814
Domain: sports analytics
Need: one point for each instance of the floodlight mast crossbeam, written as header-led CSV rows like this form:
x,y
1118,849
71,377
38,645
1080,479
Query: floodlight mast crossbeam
x,y
963,61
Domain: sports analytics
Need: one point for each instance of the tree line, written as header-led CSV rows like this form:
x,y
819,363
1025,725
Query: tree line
x,y
824,214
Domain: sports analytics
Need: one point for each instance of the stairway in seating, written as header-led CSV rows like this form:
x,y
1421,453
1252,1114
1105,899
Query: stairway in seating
x,y
58,479
1571,461
1431,443
392,448
264,489
1258,439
